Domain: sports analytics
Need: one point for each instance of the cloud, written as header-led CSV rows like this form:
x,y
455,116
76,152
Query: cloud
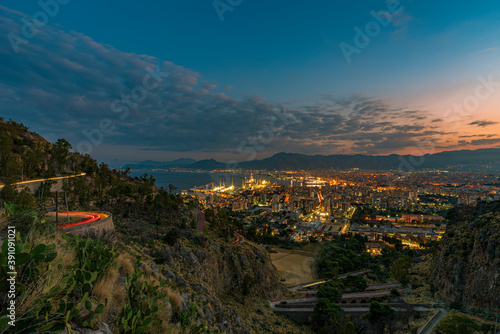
x,y
476,136
483,123
65,84
401,21
487,50
480,142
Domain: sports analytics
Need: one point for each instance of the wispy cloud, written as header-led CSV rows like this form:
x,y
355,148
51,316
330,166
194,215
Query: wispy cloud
x,y
481,142
483,123
487,50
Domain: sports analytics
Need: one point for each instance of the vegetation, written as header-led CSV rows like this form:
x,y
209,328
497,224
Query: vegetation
x,y
400,269
357,283
325,310
52,291
458,324
130,281
343,255
380,316
64,281
330,292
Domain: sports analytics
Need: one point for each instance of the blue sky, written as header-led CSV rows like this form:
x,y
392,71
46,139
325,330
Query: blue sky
x,y
226,76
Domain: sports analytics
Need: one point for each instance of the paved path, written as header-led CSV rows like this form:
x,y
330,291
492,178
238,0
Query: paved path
x,y
436,318
319,282
348,308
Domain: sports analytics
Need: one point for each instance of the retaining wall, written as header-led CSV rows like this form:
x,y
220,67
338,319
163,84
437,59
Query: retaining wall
x,y
101,227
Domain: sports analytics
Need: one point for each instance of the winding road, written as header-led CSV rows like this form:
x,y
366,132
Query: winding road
x,y
88,217
201,220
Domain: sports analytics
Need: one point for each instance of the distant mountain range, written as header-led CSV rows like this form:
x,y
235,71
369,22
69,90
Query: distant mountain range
x,y
484,159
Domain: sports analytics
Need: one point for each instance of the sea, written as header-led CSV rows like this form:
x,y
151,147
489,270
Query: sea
x,y
188,180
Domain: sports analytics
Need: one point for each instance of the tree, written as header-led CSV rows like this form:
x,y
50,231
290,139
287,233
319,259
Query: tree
x,y
8,194
400,270
60,154
171,188
358,282
329,292
395,292
379,315
171,236
325,310
10,168
349,328
25,200
335,273
33,162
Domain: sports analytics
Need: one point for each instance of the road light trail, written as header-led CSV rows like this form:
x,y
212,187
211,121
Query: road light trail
x,y
238,237
44,180
90,218
201,220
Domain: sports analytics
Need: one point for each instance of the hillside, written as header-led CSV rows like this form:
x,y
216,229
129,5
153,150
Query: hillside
x,y
17,143
467,267
25,155
156,274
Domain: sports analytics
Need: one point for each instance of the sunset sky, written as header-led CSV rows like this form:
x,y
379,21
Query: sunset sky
x,y
213,79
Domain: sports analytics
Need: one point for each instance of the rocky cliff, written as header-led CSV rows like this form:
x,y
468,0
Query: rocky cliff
x,y
232,283
467,268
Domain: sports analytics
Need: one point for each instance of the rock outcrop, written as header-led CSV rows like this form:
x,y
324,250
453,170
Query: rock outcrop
x,y
223,278
467,268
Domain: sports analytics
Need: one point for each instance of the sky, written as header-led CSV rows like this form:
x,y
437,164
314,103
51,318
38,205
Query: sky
x,y
239,79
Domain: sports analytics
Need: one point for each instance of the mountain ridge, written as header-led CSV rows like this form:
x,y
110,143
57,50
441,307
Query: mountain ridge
x,y
296,161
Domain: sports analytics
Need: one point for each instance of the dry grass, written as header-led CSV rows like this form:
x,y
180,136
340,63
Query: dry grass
x,y
295,268
125,265
110,287
54,274
165,314
174,298
67,257
48,281
3,221
107,287
166,328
